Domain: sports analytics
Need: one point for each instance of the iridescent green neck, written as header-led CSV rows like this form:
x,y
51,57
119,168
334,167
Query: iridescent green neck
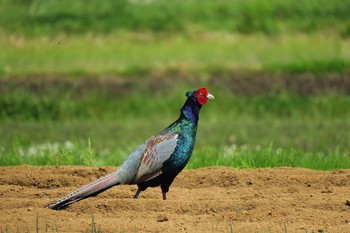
x,y
191,109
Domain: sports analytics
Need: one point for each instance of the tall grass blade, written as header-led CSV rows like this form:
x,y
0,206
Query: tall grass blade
x,y
37,223
93,227
285,227
46,225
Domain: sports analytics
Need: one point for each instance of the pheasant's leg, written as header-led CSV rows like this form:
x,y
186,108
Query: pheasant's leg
x,y
164,195
165,189
137,193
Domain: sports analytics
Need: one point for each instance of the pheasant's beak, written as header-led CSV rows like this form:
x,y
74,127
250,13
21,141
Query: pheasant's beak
x,y
210,96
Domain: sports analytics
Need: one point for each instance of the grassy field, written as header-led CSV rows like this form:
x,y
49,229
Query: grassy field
x,y
130,54
238,131
41,17
86,84
199,37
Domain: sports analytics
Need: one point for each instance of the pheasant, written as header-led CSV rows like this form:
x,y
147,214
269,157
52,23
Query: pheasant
x,y
157,161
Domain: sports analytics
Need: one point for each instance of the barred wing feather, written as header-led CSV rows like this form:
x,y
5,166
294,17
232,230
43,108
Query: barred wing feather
x,y
158,149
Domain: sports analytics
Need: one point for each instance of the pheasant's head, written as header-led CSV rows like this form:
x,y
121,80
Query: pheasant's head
x,y
202,95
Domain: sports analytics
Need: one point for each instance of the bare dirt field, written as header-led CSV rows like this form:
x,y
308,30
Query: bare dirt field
x,y
215,199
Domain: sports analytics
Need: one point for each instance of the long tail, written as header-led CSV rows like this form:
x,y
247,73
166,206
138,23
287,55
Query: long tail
x,y
86,191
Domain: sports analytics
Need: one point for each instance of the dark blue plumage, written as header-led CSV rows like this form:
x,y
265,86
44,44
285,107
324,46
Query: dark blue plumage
x,y
157,161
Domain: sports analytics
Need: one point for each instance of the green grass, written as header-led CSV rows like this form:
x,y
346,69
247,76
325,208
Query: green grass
x,y
136,54
244,156
64,122
257,131
42,17
247,157
37,226
200,37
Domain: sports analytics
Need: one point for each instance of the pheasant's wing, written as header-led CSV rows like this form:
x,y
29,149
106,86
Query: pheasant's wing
x,y
158,149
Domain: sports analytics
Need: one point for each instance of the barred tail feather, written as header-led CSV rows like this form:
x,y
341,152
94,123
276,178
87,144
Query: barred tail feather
x,y
86,191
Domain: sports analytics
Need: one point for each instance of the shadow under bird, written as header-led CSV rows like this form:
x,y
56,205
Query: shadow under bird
x,y
157,161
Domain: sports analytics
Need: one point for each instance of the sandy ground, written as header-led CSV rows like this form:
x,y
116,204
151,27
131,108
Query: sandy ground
x,y
215,199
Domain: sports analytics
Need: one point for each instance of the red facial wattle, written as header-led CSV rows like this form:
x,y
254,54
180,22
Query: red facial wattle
x,y
201,95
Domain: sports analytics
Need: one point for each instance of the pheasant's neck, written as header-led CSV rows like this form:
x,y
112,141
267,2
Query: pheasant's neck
x,y
190,110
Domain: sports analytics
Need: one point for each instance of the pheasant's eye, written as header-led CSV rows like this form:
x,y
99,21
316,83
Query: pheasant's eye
x,y
200,94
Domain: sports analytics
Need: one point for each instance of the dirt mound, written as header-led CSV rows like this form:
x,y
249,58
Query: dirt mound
x,y
215,199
